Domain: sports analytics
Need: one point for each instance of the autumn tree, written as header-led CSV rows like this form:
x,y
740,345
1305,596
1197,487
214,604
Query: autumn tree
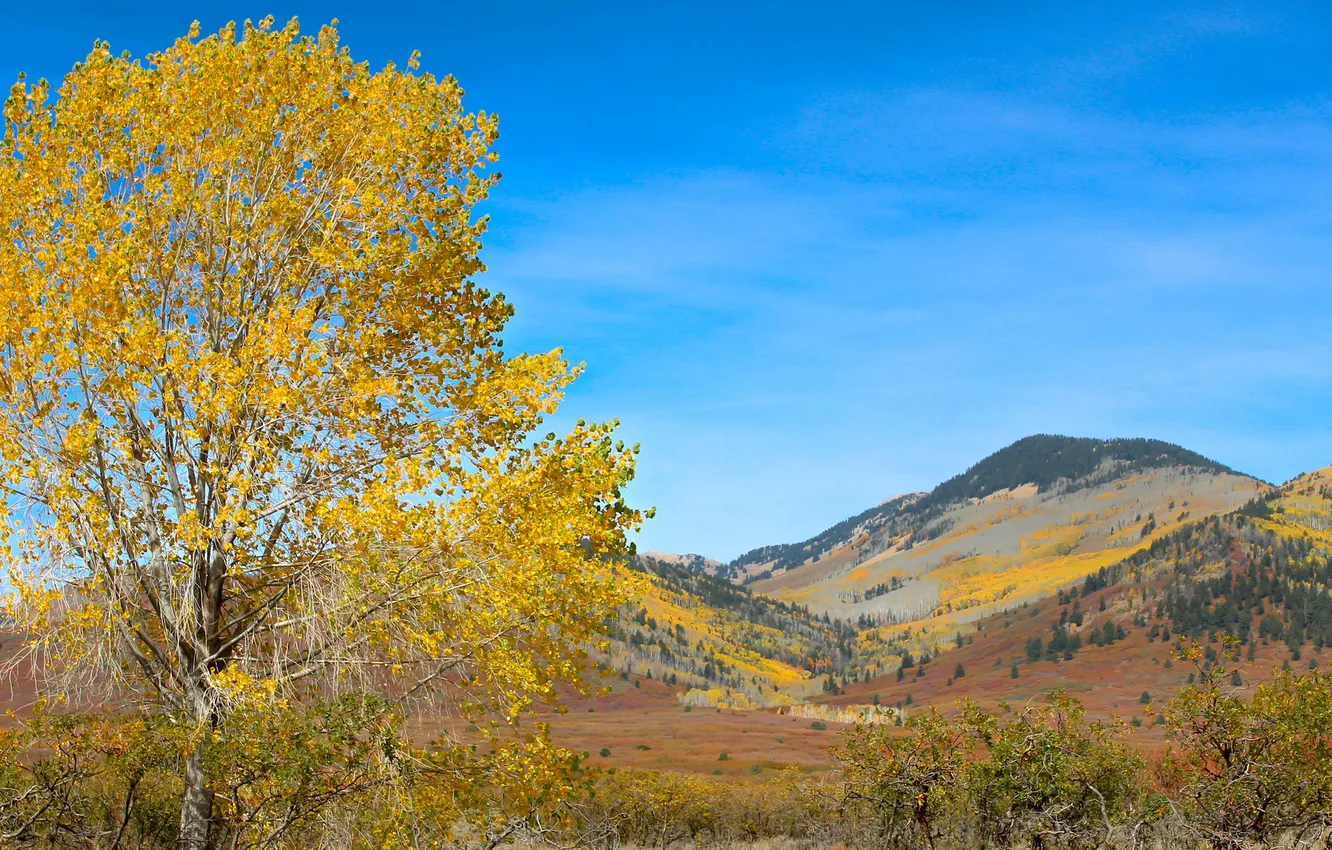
x,y
258,432
1245,772
905,781
1052,778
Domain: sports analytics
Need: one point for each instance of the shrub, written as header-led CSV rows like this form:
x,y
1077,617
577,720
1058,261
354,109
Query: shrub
x,y
1051,776
1252,771
905,781
1042,777
661,809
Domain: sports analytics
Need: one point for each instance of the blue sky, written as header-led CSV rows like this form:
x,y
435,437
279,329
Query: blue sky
x,y
816,255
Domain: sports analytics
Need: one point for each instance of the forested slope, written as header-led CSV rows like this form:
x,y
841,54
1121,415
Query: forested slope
x,y
1252,589
1047,461
911,577
697,631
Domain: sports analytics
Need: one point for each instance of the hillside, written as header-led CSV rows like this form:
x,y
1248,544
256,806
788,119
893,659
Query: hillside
x,y
1253,588
1261,573
912,572
736,648
1043,460
691,560
1035,517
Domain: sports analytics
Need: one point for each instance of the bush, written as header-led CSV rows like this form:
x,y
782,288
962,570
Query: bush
x,y
1043,777
659,809
1252,771
1049,776
905,783
333,774
818,726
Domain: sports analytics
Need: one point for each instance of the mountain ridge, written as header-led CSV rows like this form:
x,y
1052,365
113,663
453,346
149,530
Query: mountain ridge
x,y
1022,523
1260,571
1045,460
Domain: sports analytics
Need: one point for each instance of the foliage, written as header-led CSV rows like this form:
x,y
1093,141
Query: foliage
x,y
336,773
657,809
1044,776
258,433
1251,771
1052,778
279,768
88,781
905,781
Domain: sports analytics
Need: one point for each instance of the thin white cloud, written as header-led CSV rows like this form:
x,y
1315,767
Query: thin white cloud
x,y
960,270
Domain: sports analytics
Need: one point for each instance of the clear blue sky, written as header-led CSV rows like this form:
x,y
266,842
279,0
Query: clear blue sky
x,y
815,255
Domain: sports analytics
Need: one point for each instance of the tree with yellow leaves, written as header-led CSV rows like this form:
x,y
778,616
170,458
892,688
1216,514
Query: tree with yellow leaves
x,y
259,438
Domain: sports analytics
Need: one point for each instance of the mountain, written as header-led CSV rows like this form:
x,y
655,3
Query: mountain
x,y
1045,461
908,574
695,562
1024,522
1251,587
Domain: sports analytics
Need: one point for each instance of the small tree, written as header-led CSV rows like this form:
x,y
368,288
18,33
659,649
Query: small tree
x,y
959,671
1035,649
904,781
1051,776
1247,772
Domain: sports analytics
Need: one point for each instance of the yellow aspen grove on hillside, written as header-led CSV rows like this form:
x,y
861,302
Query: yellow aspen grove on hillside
x,y
259,435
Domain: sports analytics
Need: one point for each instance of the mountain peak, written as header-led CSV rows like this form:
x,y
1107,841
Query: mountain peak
x,y
1041,461
1047,459
690,560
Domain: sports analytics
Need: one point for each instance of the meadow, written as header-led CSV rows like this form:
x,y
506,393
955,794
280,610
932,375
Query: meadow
x,y
1237,770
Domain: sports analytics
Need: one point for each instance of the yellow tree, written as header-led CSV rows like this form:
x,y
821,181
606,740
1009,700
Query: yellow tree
x,y
257,427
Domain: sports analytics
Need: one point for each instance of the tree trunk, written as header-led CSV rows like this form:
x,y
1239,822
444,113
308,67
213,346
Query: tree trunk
x,y
196,807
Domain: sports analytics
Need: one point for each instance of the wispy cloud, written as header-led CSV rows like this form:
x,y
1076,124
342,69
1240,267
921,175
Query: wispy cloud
x,y
937,268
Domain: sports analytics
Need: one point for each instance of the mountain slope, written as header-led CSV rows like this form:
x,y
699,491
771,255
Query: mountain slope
x,y
692,561
1113,638
736,648
1035,517
1260,572
908,574
1043,460
1259,577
